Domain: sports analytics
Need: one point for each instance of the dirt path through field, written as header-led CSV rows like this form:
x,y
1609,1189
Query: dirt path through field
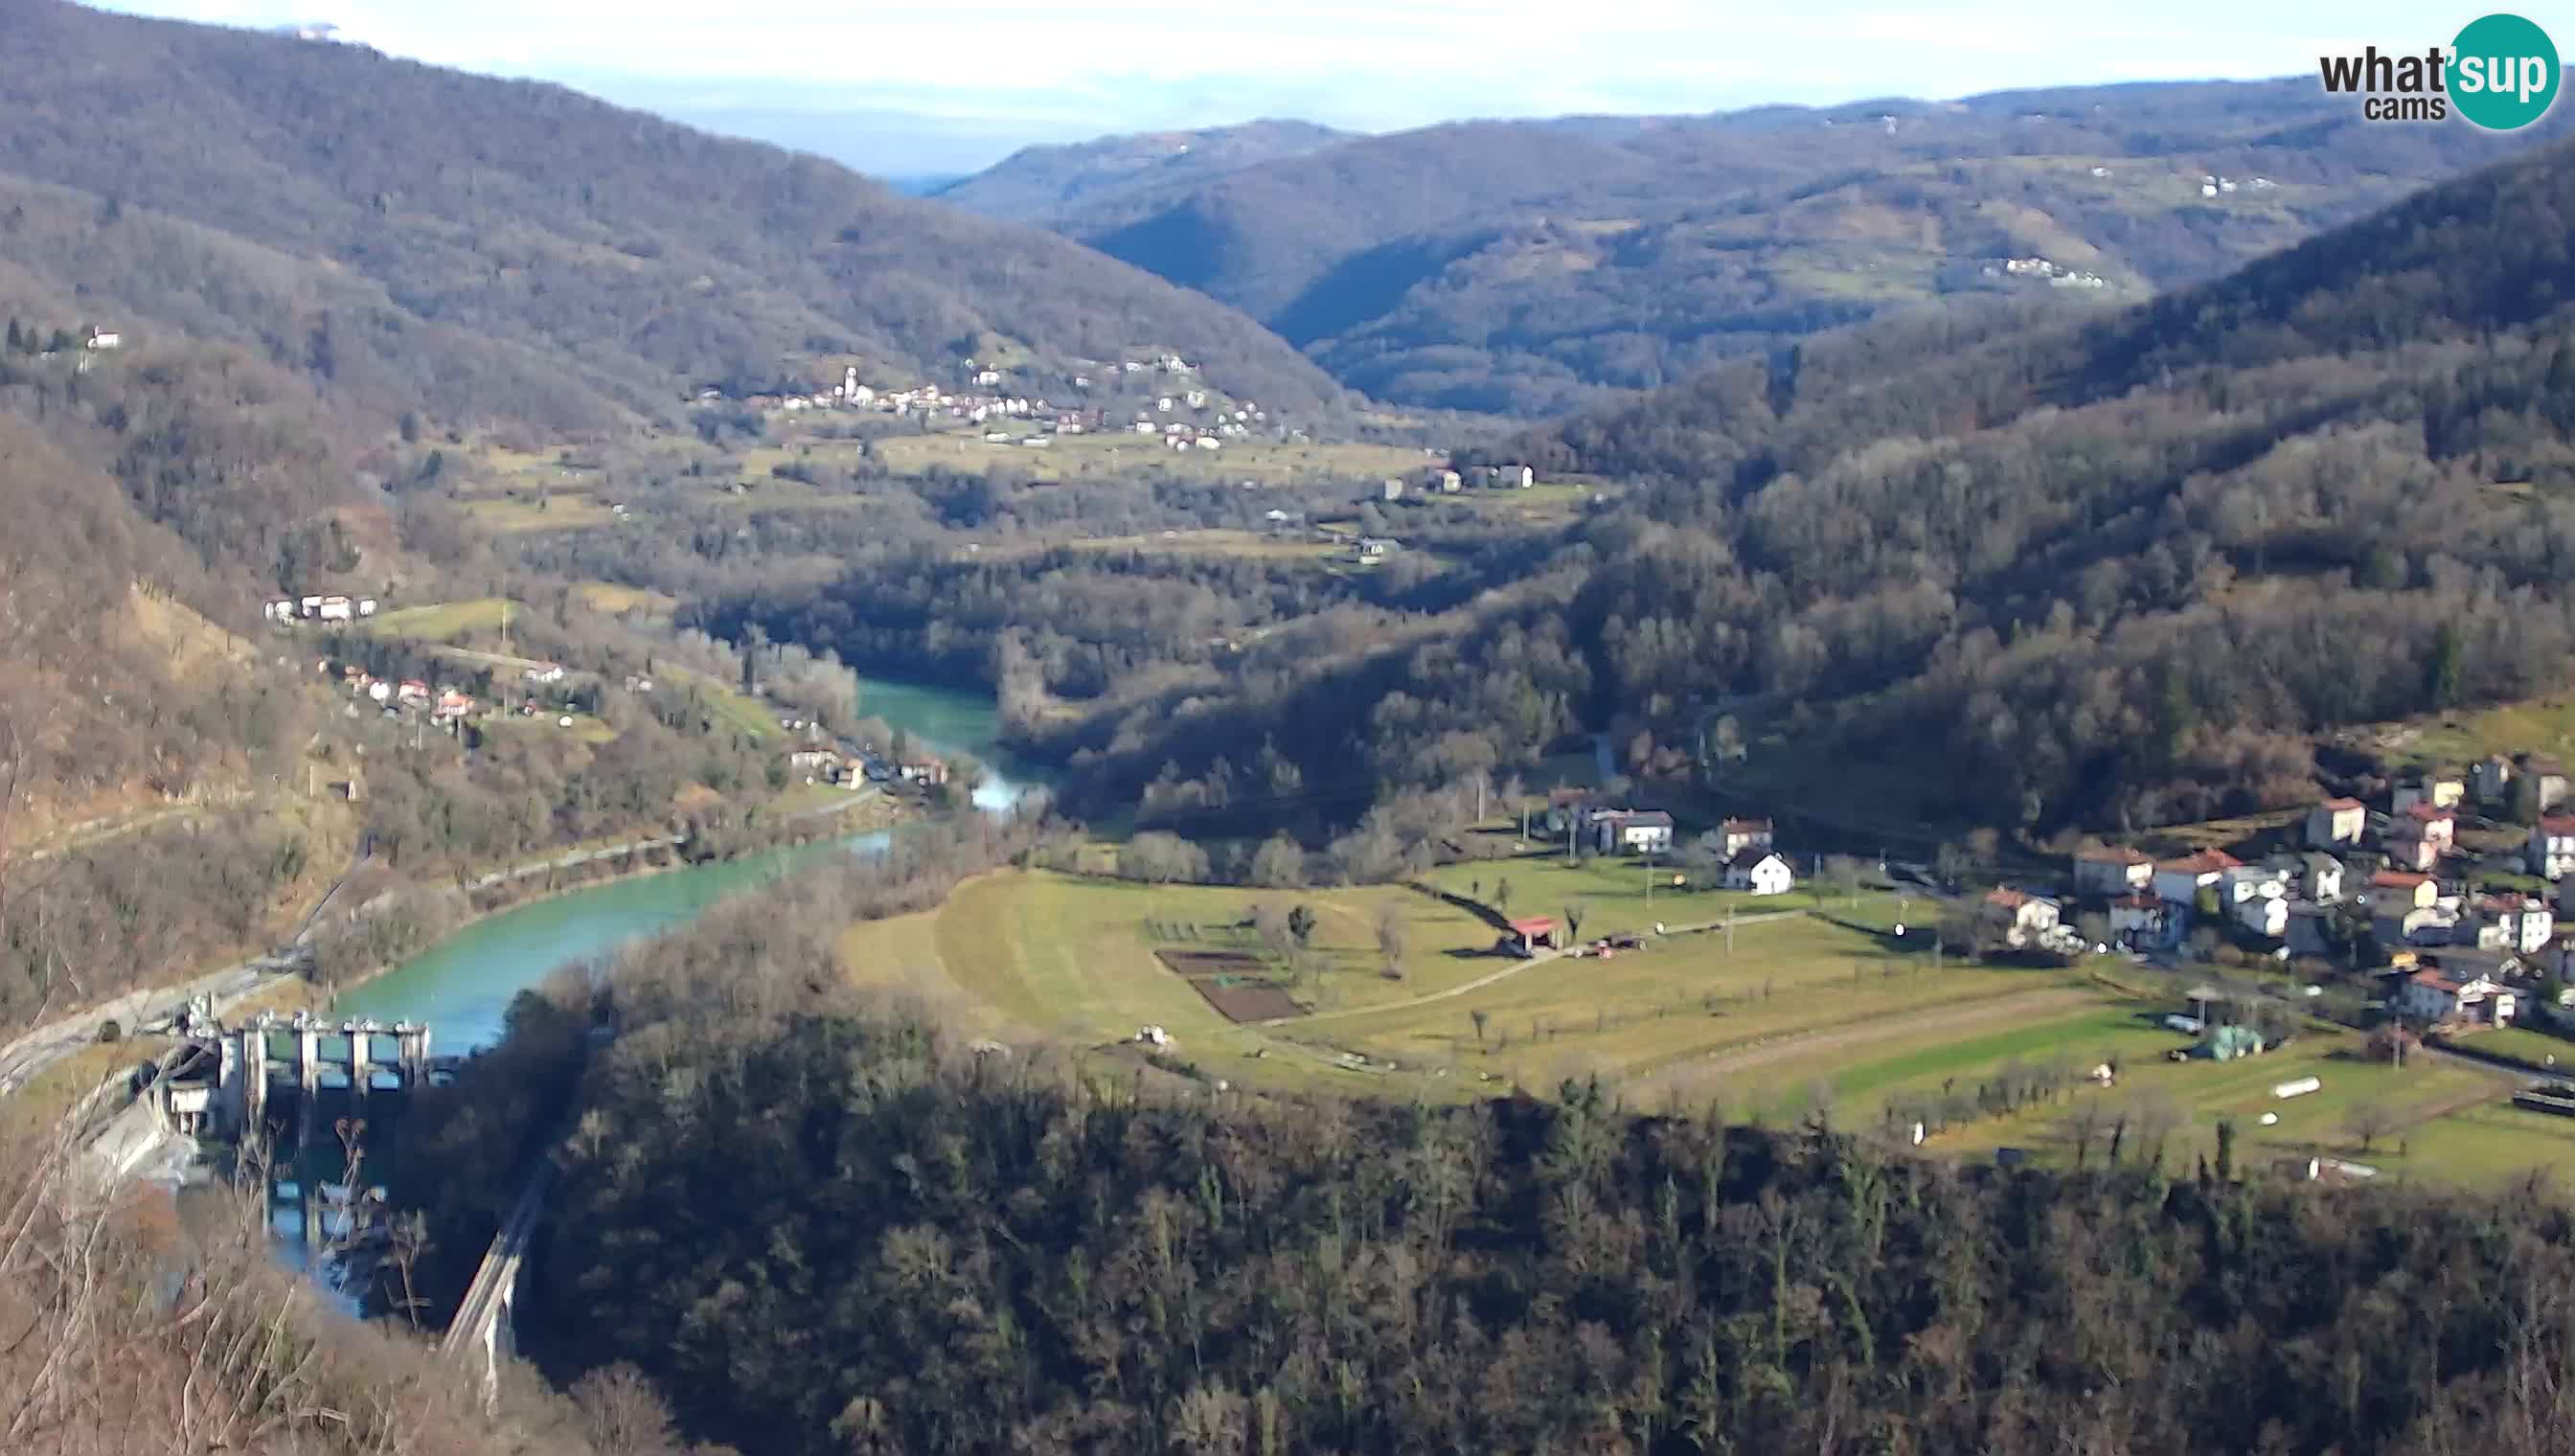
x,y
1958,1016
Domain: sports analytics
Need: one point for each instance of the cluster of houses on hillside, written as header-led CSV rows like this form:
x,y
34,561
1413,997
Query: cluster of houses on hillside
x,y
1441,481
1739,853
818,758
446,706
288,611
2399,880
1183,416
2055,274
443,704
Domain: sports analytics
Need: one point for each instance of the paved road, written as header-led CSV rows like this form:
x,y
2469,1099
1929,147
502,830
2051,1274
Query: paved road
x,y
27,1057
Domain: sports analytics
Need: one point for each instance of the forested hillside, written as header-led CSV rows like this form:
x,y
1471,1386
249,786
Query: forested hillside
x,y
1531,267
818,1227
2076,572
475,249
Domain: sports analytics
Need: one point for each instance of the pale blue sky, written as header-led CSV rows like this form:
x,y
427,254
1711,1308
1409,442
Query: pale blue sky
x,y
904,86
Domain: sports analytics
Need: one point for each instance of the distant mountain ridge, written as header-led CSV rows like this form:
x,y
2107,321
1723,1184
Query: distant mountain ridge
x,y
1536,267
1038,183
2016,567
482,249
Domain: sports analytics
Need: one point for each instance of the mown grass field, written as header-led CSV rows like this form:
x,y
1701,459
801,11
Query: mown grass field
x,y
1801,1016
584,729
1070,961
1661,1022
2489,1145
1614,893
614,599
552,511
2534,725
1253,545
1115,456
2411,1105
726,704
441,621
2538,1050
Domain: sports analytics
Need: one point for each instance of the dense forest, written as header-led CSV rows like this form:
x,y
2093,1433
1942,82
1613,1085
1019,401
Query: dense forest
x,y
1534,267
2099,572
486,250
819,1226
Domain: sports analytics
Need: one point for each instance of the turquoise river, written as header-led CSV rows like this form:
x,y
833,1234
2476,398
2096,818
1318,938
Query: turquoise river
x,y
462,985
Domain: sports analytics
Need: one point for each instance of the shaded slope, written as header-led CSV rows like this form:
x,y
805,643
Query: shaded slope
x,y
1534,267
618,246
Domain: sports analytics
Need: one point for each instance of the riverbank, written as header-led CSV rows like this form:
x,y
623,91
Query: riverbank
x,y
470,905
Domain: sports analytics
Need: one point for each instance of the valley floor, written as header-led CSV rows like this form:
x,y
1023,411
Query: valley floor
x,y
1808,1012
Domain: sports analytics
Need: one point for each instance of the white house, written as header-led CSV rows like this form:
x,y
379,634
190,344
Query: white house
x,y
282,610
544,672
1646,833
1733,837
336,608
2113,871
2552,846
2250,883
2428,995
2180,882
2441,789
2264,914
2421,835
2021,916
2320,878
2522,924
2393,889
2337,823
2547,778
104,339
1762,871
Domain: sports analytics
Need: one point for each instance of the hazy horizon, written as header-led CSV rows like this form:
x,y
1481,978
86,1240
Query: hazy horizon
x,y
907,95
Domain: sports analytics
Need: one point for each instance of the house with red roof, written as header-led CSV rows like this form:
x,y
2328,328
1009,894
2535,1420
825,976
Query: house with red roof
x,y
2337,824
2430,995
